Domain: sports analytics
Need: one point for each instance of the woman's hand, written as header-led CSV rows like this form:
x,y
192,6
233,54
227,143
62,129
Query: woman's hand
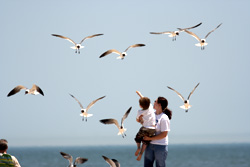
x,y
146,138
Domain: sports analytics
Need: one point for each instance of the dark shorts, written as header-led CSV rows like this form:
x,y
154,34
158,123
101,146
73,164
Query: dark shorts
x,y
144,132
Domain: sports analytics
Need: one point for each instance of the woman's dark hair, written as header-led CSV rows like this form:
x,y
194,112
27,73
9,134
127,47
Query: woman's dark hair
x,y
164,105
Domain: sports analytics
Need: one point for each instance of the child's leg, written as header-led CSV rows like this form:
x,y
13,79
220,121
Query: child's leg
x,y
144,146
138,149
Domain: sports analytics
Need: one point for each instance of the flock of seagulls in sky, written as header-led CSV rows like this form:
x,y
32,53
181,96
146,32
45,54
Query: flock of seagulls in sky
x,y
35,90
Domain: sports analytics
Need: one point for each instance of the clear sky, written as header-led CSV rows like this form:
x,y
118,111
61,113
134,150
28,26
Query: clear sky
x,y
30,55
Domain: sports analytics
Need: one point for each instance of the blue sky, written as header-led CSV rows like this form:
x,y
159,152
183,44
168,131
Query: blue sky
x,y
30,55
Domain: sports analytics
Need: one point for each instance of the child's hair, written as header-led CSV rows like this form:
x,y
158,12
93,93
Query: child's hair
x,y
3,144
144,103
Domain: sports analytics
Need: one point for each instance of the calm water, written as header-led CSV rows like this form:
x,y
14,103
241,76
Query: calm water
x,y
209,155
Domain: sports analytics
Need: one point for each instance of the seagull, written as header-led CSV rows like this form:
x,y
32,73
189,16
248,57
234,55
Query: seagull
x,y
123,54
35,90
186,105
77,46
77,161
111,162
173,34
84,111
203,42
114,121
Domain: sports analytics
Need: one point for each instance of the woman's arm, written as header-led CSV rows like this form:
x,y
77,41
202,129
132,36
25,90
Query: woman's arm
x,y
157,137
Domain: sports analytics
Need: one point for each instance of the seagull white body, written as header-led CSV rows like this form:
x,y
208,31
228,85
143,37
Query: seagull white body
x,y
84,111
121,54
173,34
202,42
186,105
35,90
77,46
111,162
121,128
77,161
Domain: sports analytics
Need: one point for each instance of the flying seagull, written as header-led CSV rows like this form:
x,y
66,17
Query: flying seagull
x,y
114,121
35,90
77,161
203,42
173,34
123,54
84,111
111,162
186,105
77,46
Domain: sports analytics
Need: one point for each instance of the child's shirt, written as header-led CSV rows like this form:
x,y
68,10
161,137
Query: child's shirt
x,y
148,117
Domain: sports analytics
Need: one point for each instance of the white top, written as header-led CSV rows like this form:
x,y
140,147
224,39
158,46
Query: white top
x,y
148,117
162,125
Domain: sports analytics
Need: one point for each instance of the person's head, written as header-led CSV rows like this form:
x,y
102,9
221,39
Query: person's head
x,y
161,105
3,145
144,103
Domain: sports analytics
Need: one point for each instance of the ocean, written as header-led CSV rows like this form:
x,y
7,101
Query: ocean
x,y
179,155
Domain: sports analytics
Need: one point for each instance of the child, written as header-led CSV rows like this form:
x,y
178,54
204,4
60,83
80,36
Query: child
x,y
146,117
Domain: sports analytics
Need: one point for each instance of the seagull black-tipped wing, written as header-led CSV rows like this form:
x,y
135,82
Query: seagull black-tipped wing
x,y
109,161
80,160
77,101
182,29
37,88
110,121
212,30
125,115
93,102
177,93
165,32
90,37
16,90
134,46
63,37
193,91
110,51
67,156
116,162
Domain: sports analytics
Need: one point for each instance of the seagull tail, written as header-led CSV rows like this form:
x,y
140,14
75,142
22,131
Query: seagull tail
x,y
88,115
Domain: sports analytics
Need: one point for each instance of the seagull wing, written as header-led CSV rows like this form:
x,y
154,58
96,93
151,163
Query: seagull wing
x,y
193,35
177,93
37,88
16,90
110,121
182,29
68,157
116,162
125,115
110,51
60,36
193,91
80,160
109,161
212,30
93,102
90,37
133,46
165,32
77,101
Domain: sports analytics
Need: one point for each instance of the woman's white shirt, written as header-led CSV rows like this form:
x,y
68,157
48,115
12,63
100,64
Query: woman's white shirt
x,y
162,125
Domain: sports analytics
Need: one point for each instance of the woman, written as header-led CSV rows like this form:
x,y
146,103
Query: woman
x,y
157,150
